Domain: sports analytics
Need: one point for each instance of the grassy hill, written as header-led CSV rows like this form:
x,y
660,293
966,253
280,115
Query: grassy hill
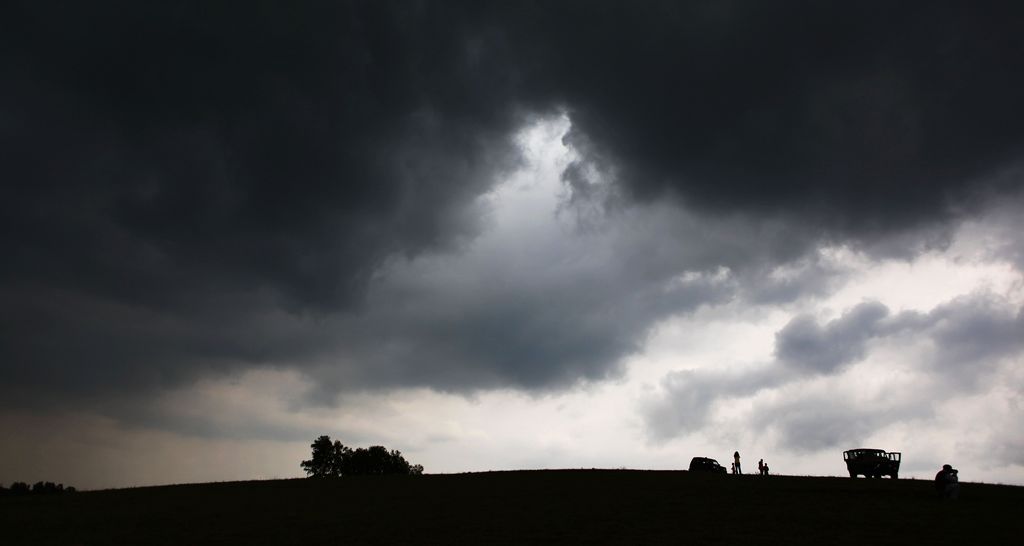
x,y
526,507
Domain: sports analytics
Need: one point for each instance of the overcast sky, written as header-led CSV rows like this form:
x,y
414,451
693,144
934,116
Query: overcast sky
x,y
509,235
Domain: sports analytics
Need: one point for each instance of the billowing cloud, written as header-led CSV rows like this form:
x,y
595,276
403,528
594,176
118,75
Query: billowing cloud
x,y
805,346
859,119
969,333
961,344
478,196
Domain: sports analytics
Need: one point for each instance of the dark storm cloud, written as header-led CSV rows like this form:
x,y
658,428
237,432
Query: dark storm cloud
x,y
160,154
192,187
859,117
174,173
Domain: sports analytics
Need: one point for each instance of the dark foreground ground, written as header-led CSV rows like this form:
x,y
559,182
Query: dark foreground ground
x,y
529,507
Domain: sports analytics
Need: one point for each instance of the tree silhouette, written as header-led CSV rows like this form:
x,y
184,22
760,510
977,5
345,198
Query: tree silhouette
x,y
47,487
334,459
39,488
323,462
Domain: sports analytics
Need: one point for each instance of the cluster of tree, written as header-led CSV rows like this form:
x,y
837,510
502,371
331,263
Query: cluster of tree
x,y
334,459
39,488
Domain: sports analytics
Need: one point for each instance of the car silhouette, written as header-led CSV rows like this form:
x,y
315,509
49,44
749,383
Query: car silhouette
x,y
704,464
872,463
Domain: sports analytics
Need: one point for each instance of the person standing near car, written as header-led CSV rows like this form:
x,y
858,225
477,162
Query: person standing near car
x,y
736,461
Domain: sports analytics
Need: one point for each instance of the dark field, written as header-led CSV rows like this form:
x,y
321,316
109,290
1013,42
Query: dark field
x,y
529,507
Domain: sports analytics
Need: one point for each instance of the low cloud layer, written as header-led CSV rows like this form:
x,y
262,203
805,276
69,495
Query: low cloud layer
x,y
952,351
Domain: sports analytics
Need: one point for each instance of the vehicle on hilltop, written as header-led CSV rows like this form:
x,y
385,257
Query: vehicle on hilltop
x,y
872,463
704,464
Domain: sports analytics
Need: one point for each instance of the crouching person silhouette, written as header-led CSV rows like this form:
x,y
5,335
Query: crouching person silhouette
x,y
947,483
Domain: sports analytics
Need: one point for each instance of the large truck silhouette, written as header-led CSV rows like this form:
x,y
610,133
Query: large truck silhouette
x,y
872,463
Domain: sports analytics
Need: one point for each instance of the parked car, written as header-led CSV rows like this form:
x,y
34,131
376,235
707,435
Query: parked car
x,y
704,464
872,463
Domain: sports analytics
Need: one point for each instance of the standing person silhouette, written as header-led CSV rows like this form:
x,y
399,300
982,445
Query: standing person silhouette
x,y
760,467
736,461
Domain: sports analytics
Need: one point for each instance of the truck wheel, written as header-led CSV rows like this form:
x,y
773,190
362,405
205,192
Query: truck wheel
x,y
895,475
853,474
